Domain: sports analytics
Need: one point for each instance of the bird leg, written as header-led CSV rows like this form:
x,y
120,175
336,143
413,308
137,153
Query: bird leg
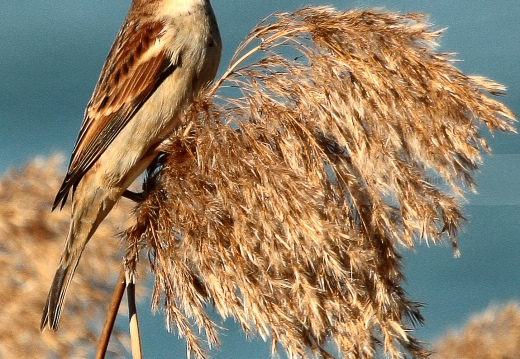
x,y
153,177
137,197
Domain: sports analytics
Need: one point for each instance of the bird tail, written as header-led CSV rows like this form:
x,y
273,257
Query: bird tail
x,y
56,297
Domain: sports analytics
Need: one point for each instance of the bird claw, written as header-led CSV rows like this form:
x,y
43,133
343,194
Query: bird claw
x,y
137,197
153,176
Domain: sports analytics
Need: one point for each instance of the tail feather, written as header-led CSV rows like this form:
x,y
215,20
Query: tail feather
x,y
90,207
56,297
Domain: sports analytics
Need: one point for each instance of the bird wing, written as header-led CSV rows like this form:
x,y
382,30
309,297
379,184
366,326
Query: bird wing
x,y
134,69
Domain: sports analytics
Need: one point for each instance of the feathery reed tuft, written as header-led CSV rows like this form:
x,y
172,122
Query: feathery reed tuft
x,y
283,207
30,245
493,334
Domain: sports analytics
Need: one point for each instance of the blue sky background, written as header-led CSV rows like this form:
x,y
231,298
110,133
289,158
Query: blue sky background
x,y
50,58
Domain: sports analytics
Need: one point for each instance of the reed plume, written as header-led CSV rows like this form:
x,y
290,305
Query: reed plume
x,y
333,138
31,242
492,334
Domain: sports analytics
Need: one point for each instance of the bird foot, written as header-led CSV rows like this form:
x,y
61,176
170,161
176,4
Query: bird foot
x,y
137,197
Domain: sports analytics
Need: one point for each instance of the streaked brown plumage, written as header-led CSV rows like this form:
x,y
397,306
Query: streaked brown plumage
x,y
164,53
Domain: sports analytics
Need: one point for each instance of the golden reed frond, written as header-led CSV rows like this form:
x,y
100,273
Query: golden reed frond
x,y
283,207
31,240
493,334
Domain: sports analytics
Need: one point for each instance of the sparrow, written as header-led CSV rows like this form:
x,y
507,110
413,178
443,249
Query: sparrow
x,y
164,53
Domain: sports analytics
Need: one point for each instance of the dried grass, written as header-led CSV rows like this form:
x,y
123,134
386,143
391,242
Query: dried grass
x,y
284,207
493,334
31,242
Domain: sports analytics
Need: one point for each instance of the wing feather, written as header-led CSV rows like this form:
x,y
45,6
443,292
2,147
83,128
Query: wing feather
x,y
135,67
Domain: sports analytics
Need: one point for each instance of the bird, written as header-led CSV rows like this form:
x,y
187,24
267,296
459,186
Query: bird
x,y
164,54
